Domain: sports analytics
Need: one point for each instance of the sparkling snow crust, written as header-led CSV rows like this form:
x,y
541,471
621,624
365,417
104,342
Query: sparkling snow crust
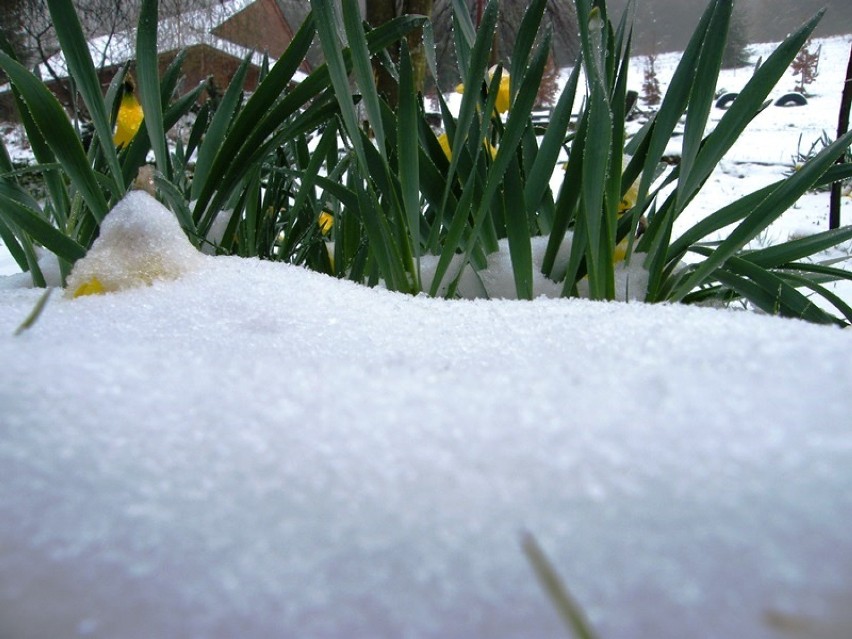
x,y
254,450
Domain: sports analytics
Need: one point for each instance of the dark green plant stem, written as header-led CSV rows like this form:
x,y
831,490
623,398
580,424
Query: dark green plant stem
x,y
842,127
571,613
32,318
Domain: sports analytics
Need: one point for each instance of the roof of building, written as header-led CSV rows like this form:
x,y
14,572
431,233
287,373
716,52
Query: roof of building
x,y
175,33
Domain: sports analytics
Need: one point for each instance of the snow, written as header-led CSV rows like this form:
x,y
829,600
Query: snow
x,y
15,139
768,149
232,447
140,242
496,280
255,450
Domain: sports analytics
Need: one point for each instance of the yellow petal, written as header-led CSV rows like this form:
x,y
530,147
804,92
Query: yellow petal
x,y
504,94
491,149
129,120
90,287
444,141
629,199
620,251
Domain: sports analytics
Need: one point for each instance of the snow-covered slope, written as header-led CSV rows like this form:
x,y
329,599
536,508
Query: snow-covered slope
x,y
254,450
768,149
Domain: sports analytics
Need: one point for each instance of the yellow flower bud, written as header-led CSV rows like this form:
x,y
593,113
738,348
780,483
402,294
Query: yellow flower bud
x,y
504,94
325,222
130,117
504,91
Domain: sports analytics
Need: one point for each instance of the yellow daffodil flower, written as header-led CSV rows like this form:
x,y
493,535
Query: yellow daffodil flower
x,y
130,116
628,201
504,94
325,222
504,91
444,141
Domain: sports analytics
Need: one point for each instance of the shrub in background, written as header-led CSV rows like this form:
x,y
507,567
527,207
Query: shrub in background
x,y
651,85
806,66
548,91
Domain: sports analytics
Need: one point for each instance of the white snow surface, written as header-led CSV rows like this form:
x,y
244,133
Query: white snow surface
x,y
496,280
254,450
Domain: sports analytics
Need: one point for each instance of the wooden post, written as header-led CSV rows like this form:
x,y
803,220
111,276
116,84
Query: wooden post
x,y
378,13
381,11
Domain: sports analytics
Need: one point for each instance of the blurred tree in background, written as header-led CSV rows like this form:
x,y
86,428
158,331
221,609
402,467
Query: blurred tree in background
x,y
34,35
651,92
28,26
381,11
806,66
560,16
736,53
10,29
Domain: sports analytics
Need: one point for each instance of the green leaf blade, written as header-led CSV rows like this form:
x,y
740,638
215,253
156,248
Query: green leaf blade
x,y
148,77
75,50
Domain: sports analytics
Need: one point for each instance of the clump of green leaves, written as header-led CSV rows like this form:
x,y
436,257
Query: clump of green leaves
x,y
81,185
413,201
241,166
263,176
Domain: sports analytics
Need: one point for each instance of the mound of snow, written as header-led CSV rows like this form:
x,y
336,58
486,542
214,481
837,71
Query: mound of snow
x,y
254,450
140,242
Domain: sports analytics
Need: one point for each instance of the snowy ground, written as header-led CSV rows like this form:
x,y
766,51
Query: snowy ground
x,y
768,149
254,450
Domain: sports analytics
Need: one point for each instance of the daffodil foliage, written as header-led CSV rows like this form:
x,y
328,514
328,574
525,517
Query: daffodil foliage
x,y
323,171
482,181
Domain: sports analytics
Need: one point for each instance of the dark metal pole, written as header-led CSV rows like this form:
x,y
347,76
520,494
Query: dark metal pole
x,y
842,127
